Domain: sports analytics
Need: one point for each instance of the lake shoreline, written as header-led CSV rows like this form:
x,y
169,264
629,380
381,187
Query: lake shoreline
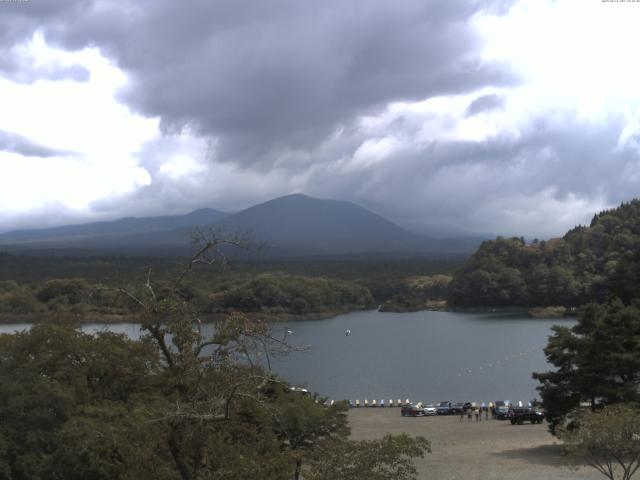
x,y
113,319
553,311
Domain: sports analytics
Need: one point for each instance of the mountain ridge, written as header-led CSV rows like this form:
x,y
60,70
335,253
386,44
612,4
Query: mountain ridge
x,y
291,224
125,225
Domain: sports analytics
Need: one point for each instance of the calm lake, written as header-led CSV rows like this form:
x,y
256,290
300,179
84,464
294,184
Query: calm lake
x,y
427,356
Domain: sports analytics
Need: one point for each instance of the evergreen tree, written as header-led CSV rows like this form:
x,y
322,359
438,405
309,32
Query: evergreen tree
x,y
597,361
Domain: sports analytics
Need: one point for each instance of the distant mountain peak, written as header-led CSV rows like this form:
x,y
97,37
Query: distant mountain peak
x,y
292,197
294,224
295,195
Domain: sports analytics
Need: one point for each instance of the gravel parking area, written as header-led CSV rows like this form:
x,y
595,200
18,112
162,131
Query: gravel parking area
x,y
487,450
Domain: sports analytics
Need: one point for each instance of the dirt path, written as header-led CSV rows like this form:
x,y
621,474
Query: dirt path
x,y
486,450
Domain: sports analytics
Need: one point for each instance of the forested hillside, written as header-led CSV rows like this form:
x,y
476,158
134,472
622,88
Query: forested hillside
x,y
587,264
273,296
89,287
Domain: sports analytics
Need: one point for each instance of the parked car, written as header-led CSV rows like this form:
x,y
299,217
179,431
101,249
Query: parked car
x,y
519,415
412,410
501,410
459,407
430,410
444,408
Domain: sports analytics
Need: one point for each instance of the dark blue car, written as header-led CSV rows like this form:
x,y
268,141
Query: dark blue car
x,y
444,408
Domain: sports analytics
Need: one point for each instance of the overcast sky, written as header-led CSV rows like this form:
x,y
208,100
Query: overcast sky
x,y
508,117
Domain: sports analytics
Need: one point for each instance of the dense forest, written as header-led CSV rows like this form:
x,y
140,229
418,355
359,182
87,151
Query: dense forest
x,y
428,292
588,264
174,404
268,294
90,288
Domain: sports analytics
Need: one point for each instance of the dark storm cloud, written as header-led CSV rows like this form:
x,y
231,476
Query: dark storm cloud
x,y
485,103
263,77
19,21
12,142
554,175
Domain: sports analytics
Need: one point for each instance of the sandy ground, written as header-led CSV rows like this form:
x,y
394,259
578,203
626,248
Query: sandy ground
x,y
487,450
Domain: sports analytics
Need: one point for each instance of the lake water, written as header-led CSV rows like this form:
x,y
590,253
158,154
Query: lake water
x,y
427,356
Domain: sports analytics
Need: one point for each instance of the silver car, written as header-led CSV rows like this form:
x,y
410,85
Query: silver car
x,y
430,409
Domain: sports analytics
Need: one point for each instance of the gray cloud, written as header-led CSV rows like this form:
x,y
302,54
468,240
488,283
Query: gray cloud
x,y
262,77
485,103
51,215
12,142
22,72
77,73
19,21
551,177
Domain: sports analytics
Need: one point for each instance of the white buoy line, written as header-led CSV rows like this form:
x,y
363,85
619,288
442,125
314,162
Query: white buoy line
x,y
497,363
